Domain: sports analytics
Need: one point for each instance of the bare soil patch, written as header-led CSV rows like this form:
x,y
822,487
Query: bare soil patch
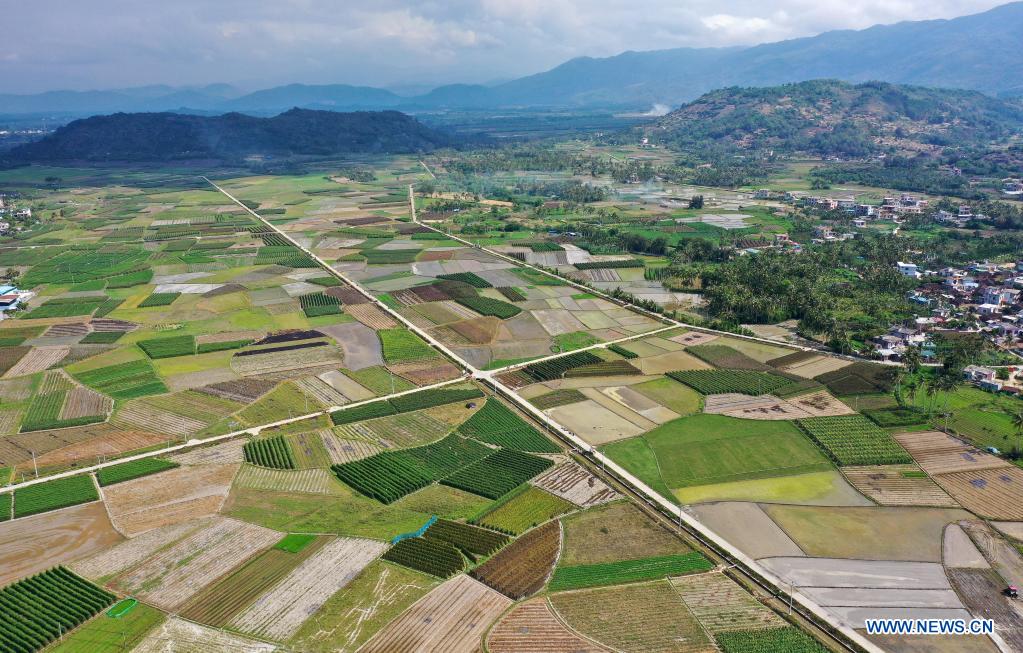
x,y
940,453
37,360
451,618
572,482
168,579
995,493
33,544
168,497
532,628
371,316
898,485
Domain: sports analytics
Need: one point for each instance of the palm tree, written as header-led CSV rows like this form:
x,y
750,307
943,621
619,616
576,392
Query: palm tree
x,y
912,359
931,387
1017,421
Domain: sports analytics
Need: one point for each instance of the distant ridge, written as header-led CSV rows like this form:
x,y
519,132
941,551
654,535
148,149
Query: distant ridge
x,y
982,52
157,137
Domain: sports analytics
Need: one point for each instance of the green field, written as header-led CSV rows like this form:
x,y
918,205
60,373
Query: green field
x,y
401,346
134,469
522,510
53,495
627,571
705,449
111,635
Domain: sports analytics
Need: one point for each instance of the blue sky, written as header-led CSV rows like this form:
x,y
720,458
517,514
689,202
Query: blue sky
x,y
260,43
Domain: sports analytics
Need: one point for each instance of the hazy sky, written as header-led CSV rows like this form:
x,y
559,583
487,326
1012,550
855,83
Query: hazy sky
x,y
89,44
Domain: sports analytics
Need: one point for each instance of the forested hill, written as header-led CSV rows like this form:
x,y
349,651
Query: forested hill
x,y
156,137
835,118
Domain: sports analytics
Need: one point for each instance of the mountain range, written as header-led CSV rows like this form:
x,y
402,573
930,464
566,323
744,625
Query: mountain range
x,y
982,52
162,137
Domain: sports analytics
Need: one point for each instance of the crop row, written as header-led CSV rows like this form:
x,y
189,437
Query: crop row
x,y
773,640
497,424
39,609
622,351
44,413
472,540
390,475
168,347
272,452
490,307
401,345
389,256
497,474
69,307
628,571
604,368
433,557
511,293
712,382
404,404
125,380
607,265
159,299
134,469
556,368
53,495
318,303
287,256
474,280
855,440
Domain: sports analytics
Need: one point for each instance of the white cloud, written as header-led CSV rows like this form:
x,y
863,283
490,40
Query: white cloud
x,y
110,43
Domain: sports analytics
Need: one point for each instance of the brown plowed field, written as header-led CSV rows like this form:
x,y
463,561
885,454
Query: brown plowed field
x,y
940,453
996,493
426,372
451,618
345,451
114,443
532,628
889,486
522,568
169,497
371,316
241,390
37,360
15,449
36,543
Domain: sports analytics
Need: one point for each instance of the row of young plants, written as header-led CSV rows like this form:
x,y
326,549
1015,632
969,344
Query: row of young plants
x,y
39,609
404,404
855,440
274,452
497,424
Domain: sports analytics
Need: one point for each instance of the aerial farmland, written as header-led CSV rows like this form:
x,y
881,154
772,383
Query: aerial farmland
x,y
291,413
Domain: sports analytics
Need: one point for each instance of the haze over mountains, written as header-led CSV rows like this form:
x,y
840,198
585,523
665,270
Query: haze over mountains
x,y
981,52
